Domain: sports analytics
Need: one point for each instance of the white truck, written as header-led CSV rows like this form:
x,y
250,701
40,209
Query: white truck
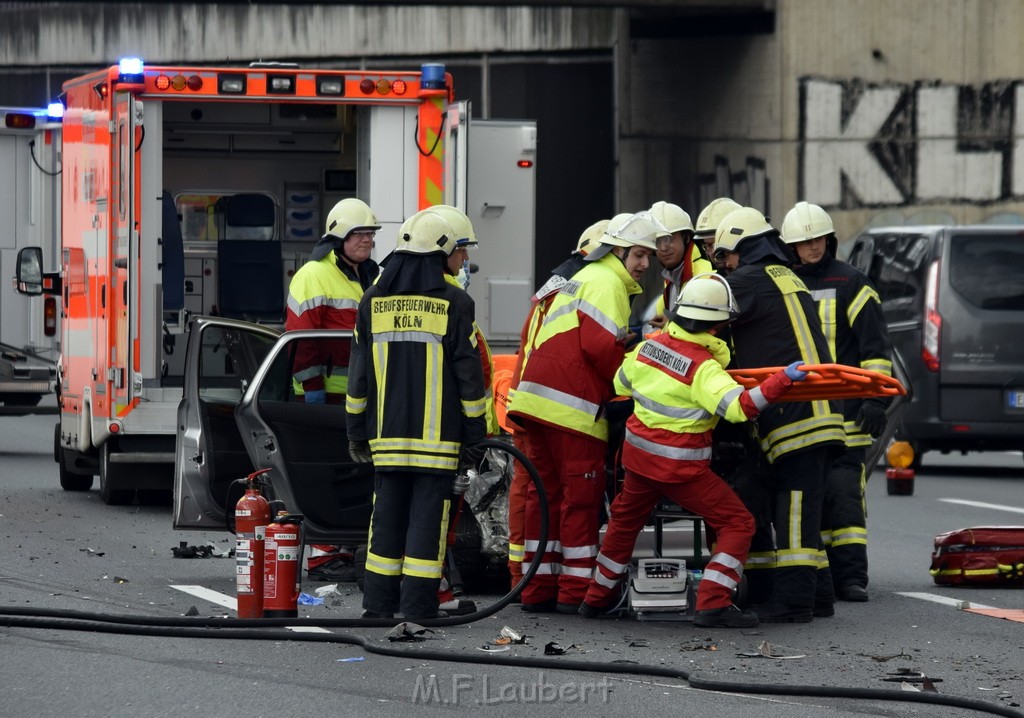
x,y
30,212
194,191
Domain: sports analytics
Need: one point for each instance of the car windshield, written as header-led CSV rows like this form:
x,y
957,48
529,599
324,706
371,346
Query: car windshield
x,y
988,270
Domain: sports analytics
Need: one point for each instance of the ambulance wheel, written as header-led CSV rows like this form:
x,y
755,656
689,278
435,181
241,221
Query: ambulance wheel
x,y
69,481
111,476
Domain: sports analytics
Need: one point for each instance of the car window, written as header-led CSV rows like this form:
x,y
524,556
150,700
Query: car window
x,y
988,270
897,271
228,361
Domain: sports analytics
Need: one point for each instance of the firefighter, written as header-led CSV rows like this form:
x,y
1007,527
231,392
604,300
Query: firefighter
x,y
778,324
680,390
681,257
707,223
560,403
851,317
457,274
540,302
416,410
324,294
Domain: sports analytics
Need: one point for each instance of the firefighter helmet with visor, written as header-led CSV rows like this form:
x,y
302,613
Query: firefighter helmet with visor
x,y
350,215
738,225
707,298
459,221
673,217
634,230
426,232
806,221
712,215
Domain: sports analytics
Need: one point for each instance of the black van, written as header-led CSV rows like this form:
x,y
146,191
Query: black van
x,y
953,297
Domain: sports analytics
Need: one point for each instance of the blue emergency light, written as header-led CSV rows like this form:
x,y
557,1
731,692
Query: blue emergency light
x,y
432,76
55,111
129,70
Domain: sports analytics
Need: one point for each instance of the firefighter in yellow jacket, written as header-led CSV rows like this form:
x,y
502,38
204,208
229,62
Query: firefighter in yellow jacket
x,y
560,402
680,389
325,293
415,409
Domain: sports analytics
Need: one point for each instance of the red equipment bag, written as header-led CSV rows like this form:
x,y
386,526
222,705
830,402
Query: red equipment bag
x,y
983,555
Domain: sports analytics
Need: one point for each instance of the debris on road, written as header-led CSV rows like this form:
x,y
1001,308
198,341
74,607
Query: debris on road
x,y
767,650
408,632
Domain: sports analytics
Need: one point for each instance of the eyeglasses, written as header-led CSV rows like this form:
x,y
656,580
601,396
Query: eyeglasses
x,y
664,243
367,233
720,254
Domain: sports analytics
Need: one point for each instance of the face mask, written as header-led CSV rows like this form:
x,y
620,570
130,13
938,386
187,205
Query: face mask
x,y
463,276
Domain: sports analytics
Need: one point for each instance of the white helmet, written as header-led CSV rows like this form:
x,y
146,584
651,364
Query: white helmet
x,y
591,236
349,215
712,215
426,232
464,234
738,225
707,297
634,230
806,221
672,217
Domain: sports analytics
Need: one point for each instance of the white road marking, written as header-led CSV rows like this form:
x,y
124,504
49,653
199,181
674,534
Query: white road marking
x,y
944,600
983,505
224,600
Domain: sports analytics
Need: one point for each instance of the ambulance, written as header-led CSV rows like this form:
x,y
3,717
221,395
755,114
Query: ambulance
x,y
30,208
198,191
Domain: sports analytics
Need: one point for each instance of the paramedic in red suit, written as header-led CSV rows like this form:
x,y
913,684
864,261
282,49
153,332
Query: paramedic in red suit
x,y
680,390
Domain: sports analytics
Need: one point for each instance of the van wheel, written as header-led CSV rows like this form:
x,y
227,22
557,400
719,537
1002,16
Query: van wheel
x,y
69,481
111,477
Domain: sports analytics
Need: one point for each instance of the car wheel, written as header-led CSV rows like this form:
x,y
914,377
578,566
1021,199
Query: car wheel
x,y
111,477
69,481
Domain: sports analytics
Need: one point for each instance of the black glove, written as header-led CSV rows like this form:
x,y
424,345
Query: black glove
x,y
616,411
472,455
359,451
871,418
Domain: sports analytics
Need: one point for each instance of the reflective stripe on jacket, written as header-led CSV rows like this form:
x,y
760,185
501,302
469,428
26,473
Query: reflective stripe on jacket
x,y
579,347
416,389
680,390
777,325
487,364
853,324
323,295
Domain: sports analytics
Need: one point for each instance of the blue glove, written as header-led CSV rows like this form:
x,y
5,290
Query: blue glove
x,y
316,396
794,372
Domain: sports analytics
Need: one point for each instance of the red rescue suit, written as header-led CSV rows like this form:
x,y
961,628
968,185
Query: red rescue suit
x,y
681,389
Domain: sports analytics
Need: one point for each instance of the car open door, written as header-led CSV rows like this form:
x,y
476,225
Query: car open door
x,y
221,358
306,447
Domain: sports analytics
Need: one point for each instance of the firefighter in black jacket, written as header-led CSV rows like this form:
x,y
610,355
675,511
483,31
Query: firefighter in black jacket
x,y
778,324
851,317
415,408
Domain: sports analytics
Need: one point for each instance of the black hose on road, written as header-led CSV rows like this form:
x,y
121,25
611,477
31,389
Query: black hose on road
x,y
272,629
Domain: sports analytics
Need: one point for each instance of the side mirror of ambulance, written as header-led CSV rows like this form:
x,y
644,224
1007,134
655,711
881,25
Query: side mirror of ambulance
x,y
29,279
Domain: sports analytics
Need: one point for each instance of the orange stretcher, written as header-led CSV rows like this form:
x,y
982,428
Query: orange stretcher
x,y
826,381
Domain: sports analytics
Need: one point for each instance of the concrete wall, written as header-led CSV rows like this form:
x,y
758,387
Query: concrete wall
x,y
96,33
883,112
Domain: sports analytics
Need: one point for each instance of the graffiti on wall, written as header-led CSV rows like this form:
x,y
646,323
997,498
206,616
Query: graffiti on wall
x,y
895,144
748,185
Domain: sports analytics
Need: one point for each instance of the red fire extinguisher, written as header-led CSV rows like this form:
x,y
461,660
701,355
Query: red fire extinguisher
x,y
252,514
282,549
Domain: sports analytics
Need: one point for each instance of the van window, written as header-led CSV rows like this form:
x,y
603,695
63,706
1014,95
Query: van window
x,y
988,270
897,271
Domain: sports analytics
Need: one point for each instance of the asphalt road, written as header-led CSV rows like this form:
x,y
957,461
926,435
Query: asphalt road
x,y
69,551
